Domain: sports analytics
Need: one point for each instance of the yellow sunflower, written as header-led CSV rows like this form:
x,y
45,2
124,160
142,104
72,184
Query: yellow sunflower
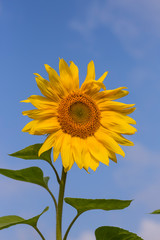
x,y
84,124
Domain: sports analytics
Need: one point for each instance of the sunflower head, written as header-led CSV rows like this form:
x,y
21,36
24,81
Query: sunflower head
x,y
84,123
78,115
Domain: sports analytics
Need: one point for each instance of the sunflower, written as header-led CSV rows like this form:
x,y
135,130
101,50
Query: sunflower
x,y
84,124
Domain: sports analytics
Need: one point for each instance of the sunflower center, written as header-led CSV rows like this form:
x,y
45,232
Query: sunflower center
x,y
78,115
79,112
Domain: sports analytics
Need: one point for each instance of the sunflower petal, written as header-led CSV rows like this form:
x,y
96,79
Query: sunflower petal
x,y
48,143
85,156
93,163
97,150
116,106
112,156
77,151
90,72
40,127
75,74
108,142
40,102
66,153
108,95
66,75
46,88
121,127
116,117
118,137
53,75
88,160
55,81
90,86
59,135
101,79
40,113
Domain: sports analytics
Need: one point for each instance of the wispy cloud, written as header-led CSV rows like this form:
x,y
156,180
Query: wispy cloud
x,y
87,235
25,233
150,229
134,23
141,170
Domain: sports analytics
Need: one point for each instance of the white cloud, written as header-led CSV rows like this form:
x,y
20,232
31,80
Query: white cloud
x,y
138,159
87,235
29,233
135,23
25,233
150,230
150,195
19,232
141,170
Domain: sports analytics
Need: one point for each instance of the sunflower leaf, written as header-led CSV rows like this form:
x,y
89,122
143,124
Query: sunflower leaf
x,y
31,174
156,212
31,153
8,221
83,205
46,180
115,233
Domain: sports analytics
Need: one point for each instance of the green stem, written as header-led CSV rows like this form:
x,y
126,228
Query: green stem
x,y
71,224
57,176
60,206
39,233
52,196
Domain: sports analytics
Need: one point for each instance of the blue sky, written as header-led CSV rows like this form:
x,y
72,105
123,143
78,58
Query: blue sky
x,y
121,37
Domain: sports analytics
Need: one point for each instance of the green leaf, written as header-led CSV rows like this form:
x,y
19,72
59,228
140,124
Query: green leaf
x,y
156,212
83,205
46,179
115,233
31,152
33,221
31,174
8,221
